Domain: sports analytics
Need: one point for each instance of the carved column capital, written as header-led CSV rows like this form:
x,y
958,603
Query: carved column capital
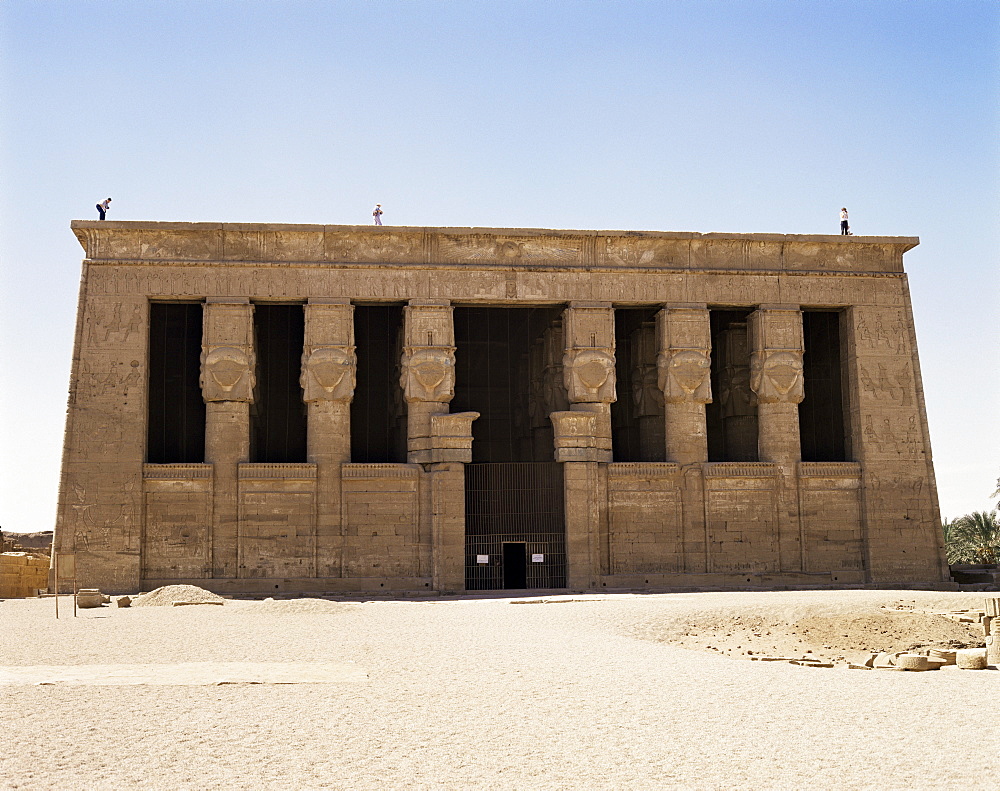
x,y
228,362
328,373
428,373
684,362
776,358
589,376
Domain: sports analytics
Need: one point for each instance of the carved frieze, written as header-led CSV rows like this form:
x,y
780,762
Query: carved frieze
x,y
328,373
227,373
428,373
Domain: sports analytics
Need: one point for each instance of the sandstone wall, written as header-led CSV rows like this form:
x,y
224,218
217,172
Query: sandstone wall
x,y
329,524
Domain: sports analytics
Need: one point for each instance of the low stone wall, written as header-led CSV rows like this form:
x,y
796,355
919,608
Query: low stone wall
x,y
22,574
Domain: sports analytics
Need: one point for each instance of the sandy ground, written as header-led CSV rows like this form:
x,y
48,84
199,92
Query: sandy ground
x,y
576,693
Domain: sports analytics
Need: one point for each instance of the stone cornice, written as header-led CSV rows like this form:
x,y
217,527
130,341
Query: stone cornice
x,y
509,248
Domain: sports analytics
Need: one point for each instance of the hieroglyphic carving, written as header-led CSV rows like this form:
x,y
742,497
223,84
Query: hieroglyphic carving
x,y
879,434
884,331
112,323
888,383
491,248
328,373
381,246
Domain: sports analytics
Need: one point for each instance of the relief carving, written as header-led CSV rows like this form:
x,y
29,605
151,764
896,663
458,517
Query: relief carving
x,y
227,374
887,384
646,393
776,376
589,375
684,375
428,373
328,373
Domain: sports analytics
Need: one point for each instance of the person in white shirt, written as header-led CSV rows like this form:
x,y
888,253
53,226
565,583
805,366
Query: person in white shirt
x,y
377,214
845,229
102,207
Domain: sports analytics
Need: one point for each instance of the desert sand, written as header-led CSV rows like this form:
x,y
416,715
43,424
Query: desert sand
x,y
555,692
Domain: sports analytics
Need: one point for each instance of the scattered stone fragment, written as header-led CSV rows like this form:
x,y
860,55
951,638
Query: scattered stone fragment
x,y
971,658
184,603
884,660
944,656
87,598
123,601
913,662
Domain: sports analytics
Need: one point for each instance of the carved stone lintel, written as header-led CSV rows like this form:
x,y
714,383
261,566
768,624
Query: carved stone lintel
x,y
227,373
428,373
328,373
684,375
589,375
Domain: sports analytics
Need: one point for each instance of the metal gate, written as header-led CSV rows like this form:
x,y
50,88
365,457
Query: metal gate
x,y
514,504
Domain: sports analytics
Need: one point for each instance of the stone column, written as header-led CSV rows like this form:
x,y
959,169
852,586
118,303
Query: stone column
x,y
684,367
583,434
428,375
228,377
776,380
440,441
328,377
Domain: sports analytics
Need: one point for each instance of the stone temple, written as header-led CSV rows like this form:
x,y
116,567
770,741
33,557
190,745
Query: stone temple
x,y
329,408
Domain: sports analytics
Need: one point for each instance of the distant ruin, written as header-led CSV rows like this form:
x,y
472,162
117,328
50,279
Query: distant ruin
x,y
263,408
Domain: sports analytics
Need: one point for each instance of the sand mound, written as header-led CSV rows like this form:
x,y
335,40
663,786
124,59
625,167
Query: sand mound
x,y
168,594
832,633
303,606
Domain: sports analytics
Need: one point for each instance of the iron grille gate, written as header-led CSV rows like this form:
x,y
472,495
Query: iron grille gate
x,y
517,505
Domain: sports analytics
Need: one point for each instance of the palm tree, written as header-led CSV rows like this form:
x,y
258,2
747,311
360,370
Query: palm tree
x,y
973,538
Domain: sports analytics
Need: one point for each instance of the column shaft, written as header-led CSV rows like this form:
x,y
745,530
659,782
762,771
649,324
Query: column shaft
x,y
684,367
329,368
776,344
228,368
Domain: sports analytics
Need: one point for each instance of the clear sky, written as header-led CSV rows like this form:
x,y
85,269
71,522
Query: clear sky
x,y
672,115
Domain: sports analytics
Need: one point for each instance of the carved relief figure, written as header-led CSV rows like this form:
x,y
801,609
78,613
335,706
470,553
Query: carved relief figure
x,y
589,375
227,374
683,375
328,373
646,394
428,374
776,376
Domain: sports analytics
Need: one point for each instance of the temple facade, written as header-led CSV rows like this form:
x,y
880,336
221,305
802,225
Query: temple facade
x,y
304,408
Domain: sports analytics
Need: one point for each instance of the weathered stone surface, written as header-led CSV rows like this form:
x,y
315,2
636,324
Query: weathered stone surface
x,y
329,524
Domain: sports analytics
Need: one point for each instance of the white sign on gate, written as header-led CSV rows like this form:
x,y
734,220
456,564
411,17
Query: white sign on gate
x,y
538,558
482,558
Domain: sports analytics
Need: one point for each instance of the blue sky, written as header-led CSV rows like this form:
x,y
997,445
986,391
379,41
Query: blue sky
x,y
688,116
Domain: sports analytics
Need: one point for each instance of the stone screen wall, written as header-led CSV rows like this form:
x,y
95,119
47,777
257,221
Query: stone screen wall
x,y
272,407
